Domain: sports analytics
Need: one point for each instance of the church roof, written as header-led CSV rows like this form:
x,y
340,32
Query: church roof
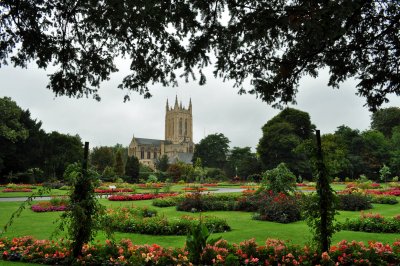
x,y
144,141
185,157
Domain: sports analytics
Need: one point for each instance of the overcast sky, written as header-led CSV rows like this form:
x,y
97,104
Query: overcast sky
x,y
217,108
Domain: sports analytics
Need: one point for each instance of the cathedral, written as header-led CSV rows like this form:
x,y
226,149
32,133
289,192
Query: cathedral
x,y
178,144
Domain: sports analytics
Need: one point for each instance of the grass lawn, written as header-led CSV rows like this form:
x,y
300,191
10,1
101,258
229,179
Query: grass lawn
x,y
53,192
41,225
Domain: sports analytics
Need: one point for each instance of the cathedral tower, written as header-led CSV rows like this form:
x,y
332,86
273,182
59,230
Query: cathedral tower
x,y
178,123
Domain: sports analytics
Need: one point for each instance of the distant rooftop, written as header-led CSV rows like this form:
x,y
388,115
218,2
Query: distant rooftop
x,y
148,141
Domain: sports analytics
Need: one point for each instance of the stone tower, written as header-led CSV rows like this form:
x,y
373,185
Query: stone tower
x,y
178,123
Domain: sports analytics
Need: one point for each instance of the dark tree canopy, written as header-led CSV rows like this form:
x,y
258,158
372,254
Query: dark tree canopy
x,y
132,169
272,42
282,136
384,120
212,150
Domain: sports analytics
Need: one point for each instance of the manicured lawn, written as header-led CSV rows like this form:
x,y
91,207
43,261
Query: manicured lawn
x,y
41,226
54,192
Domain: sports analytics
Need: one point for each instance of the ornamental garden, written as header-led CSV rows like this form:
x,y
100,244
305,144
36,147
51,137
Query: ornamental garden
x,y
261,223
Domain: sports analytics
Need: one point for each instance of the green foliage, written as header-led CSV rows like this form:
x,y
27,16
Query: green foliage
x,y
11,128
280,179
385,119
278,207
166,202
354,202
348,39
384,173
212,150
196,241
101,157
162,163
197,202
152,179
372,223
146,221
311,213
132,169
109,174
84,214
383,199
72,172
119,164
282,138
243,163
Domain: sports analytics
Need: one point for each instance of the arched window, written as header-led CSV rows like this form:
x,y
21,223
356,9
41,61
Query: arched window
x,y
155,154
180,126
141,153
148,154
186,128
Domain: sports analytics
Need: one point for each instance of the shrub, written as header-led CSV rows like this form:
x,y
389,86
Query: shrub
x,y
53,185
65,188
279,207
374,223
146,221
208,202
354,202
167,202
383,199
280,179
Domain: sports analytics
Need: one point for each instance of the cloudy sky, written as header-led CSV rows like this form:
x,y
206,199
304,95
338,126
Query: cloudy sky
x,y
217,108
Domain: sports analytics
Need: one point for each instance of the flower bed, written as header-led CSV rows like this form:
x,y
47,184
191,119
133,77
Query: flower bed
x,y
151,185
20,186
388,192
114,190
375,223
38,208
194,188
145,221
210,185
55,204
140,196
273,252
17,190
354,202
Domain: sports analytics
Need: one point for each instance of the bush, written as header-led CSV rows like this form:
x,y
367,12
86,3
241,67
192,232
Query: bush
x,y
195,202
145,221
374,223
382,199
354,202
167,202
278,207
53,185
65,188
280,179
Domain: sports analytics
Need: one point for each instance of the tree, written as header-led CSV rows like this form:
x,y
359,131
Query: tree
x,y
212,150
61,150
242,162
162,163
282,136
132,169
280,179
119,164
11,128
374,152
384,172
384,120
274,43
101,157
